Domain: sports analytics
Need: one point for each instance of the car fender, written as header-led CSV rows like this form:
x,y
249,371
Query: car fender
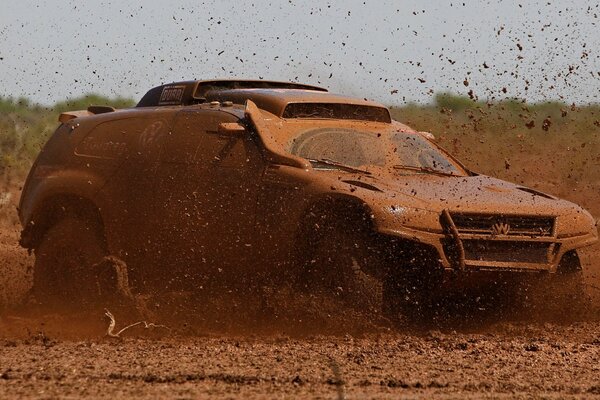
x,y
56,185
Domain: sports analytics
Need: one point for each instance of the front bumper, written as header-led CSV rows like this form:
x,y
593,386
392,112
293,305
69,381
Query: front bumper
x,y
470,252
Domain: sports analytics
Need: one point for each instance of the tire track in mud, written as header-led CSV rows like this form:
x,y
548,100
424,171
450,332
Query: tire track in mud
x,y
510,360
291,352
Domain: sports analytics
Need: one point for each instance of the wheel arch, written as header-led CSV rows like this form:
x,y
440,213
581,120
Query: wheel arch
x,y
53,209
569,263
327,210
395,253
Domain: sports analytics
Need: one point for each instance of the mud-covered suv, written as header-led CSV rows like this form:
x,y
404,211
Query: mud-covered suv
x,y
241,182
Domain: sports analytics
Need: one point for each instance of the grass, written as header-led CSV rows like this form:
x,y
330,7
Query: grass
x,y
552,146
25,127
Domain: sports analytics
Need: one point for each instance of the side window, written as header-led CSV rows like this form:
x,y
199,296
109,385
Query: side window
x,y
107,141
193,138
140,138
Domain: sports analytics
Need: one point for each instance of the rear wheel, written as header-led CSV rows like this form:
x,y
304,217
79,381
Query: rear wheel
x,y
64,276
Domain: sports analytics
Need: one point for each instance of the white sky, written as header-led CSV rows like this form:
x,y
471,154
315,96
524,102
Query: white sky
x,y
51,49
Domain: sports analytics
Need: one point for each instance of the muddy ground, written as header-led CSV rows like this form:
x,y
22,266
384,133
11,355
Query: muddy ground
x,y
509,360
331,353
298,348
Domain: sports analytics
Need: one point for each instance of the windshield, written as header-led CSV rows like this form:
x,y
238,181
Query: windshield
x,y
405,152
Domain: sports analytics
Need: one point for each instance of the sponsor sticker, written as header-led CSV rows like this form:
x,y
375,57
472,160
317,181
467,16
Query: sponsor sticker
x,y
171,95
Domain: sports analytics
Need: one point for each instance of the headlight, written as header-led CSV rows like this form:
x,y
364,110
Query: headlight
x,y
577,223
416,218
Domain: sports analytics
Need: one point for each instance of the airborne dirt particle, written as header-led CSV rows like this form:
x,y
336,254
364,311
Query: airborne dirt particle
x,y
546,124
298,381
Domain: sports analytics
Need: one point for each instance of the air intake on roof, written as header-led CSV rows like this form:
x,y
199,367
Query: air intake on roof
x,y
337,111
194,92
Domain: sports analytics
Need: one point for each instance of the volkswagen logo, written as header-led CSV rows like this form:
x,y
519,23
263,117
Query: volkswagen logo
x,y
500,228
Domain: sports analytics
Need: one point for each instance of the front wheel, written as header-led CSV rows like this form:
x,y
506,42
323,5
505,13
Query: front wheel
x,y
560,295
342,265
568,288
406,295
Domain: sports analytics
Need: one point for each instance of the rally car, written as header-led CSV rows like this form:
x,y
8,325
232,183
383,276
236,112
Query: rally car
x,y
242,182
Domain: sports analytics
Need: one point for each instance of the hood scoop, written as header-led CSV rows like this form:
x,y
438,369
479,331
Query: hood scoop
x,y
497,189
363,185
536,193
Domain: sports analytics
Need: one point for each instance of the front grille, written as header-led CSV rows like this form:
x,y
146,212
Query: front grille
x,y
506,252
511,225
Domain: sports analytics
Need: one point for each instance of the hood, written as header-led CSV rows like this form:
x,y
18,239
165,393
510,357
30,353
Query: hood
x,y
481,194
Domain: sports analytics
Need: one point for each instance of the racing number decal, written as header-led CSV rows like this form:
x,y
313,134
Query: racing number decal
x,y
151,134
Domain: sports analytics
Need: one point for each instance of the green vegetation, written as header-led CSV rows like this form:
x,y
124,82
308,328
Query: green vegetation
x,y
25,127
551,146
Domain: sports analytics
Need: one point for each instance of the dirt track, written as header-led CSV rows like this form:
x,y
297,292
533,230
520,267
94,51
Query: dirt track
x,y
504,361
307,356
508,358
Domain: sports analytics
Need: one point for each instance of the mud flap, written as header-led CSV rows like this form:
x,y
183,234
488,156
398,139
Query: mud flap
x,y
112,285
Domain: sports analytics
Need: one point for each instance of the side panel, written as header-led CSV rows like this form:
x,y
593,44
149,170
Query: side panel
x,y
205,201
294,203
286,197
129,214
57,171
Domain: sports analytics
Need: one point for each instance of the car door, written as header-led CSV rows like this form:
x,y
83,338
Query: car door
x,y
206,197
131,147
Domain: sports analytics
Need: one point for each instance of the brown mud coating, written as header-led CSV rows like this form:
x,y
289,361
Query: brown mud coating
x,y
179,185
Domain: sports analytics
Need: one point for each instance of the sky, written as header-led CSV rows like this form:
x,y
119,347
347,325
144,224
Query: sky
x,y
389,51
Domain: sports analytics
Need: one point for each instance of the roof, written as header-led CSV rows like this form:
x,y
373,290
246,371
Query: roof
x,y
194,92
282,99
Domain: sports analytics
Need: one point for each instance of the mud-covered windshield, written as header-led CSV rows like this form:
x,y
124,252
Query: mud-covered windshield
x,y
406,152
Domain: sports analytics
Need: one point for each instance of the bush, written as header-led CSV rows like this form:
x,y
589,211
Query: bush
x,y
25,127
453,102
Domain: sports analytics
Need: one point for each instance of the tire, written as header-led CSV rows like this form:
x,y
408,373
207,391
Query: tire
x,y
405,297
560,295
341,266
568,287
411,288
63,275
